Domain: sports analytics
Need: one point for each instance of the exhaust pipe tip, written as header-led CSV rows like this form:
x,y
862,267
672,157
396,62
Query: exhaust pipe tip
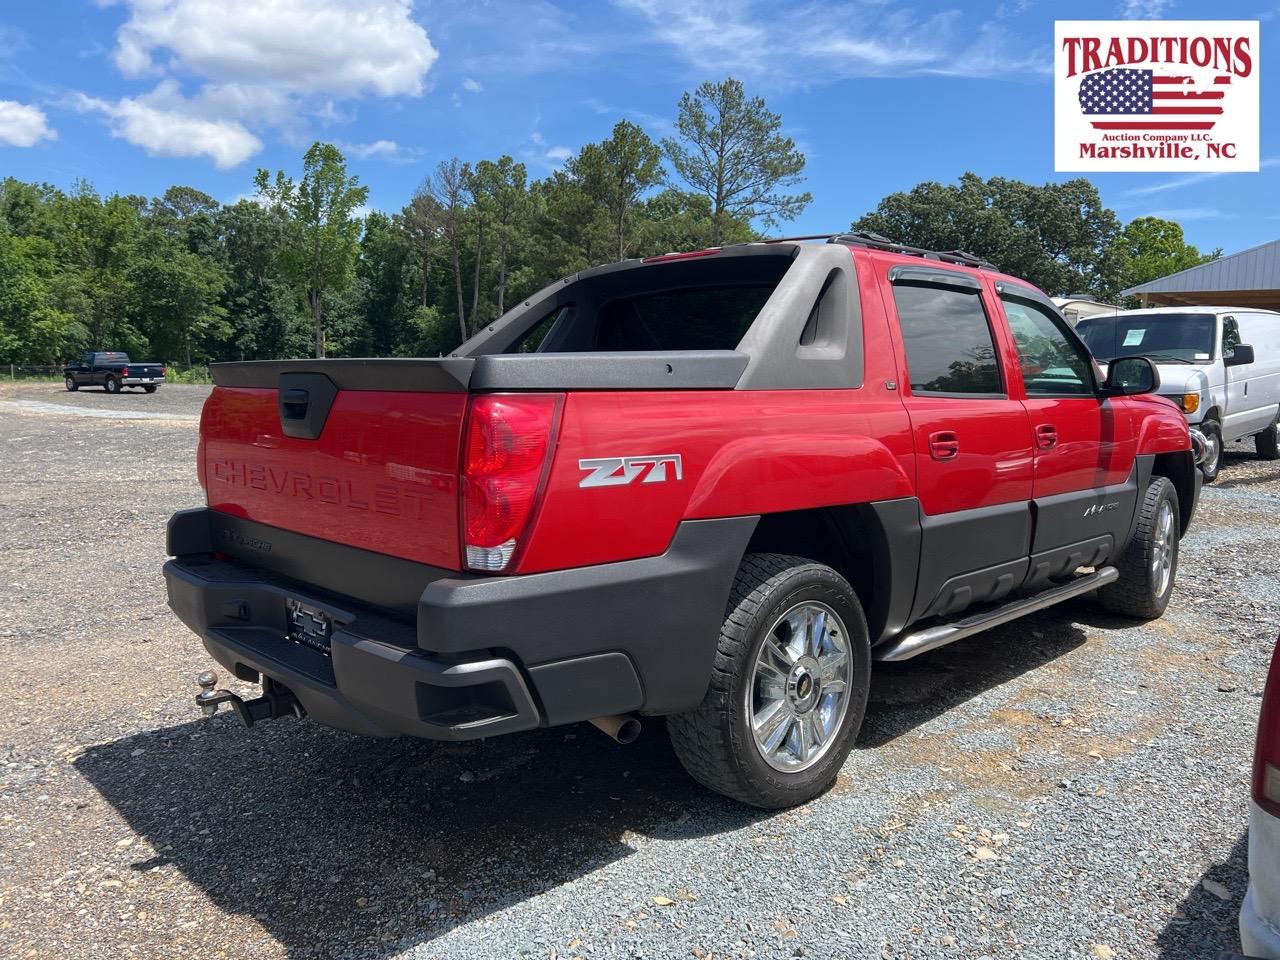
x,y
623,729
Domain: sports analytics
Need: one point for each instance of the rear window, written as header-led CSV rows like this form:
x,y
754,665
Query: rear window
x,y
710,318
704,304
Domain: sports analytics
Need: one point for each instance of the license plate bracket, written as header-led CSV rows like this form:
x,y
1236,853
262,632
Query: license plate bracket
x,y
308,625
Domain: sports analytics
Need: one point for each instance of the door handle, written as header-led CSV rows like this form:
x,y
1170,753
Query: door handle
x,y
1046,436
944,445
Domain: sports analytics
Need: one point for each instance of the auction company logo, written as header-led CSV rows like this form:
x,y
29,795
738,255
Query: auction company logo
x,y
1144,95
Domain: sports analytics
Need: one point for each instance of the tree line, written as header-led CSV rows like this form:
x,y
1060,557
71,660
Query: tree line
x,y
300,268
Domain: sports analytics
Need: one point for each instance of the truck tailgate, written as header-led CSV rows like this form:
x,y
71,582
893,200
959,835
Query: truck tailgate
x,y
382,474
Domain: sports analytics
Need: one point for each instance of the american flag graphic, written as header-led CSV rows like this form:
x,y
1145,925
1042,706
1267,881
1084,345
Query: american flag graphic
x,y
1146,100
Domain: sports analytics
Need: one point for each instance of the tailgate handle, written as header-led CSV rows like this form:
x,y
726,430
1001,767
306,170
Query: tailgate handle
x,y
294,403
304,401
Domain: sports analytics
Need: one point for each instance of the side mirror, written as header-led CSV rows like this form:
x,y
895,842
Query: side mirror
x,y
1242,354
1128,376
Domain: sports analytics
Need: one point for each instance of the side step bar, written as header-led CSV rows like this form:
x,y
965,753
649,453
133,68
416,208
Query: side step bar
x,y
909,645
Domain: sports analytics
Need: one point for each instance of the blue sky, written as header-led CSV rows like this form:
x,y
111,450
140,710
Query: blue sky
x,y
135,95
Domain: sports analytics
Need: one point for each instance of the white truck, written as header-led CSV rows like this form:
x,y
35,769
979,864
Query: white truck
x,y
1221,365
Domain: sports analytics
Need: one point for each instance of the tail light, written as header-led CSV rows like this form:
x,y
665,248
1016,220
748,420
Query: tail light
x,y
162,372
124,371
507,451
1266,761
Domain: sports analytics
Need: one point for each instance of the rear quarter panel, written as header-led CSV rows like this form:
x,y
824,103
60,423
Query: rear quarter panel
x,y
742,453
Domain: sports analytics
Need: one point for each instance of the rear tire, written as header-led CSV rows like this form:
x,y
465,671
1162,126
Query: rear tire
x,y
777,723
72,386
150,387
1213,450
111,385
1149,566
1267,443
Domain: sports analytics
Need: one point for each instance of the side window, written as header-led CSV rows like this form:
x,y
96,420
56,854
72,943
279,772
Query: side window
x,y
950,350
1230,336
1052,364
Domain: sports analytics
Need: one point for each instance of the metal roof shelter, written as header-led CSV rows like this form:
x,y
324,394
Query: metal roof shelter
x,y
1250,278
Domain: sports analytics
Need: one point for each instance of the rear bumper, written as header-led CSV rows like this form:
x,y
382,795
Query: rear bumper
x,y
140,381
476,656
1260,914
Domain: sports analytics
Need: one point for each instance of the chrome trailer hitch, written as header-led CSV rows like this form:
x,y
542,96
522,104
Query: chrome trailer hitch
x,y
276,701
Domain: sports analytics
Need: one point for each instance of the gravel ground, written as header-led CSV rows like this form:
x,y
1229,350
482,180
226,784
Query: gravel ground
x,y
1068,786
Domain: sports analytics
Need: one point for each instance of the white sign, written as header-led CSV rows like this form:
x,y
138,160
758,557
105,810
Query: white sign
x,y
1146,95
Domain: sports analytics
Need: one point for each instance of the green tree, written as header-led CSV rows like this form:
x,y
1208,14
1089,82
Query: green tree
x,y
321,230
499,192
95,242
677,220
383,283
731,149
32,328
1054,235
616,172
265,313
448,188
1146,249
177,297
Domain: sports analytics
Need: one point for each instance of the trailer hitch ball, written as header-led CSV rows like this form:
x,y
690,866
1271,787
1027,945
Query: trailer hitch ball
x,y
208,697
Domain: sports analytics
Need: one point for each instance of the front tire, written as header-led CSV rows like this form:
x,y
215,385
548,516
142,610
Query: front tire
x,y
1213,450
1267,443
72,386
1150,562
111,385
788,689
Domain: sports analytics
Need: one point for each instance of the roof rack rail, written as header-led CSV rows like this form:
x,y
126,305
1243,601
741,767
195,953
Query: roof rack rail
x,y
874,241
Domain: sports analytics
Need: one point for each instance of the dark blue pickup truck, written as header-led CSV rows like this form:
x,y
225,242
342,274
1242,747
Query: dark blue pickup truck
x,y
113,371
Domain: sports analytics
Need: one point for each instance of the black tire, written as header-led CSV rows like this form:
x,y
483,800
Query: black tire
x,y
1267,443
150,387
714,741
1138,592
111,385
72,386
1213,457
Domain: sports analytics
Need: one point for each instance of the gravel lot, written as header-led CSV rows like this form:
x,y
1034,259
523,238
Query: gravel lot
x,y
1068,786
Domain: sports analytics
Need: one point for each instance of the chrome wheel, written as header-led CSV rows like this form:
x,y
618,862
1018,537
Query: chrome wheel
x,y
1162,548
1212,452
798,694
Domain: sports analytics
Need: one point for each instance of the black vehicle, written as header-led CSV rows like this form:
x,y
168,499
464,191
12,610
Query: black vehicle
x,y
112,371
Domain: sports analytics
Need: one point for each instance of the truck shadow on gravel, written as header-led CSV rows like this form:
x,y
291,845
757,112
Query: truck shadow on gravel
x,y
909,694
1204,923
338,845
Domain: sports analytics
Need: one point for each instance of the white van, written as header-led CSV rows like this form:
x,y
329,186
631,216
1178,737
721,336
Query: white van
x,y
1221,365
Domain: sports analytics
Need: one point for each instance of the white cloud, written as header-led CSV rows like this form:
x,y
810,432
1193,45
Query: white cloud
x,y
1144,9
1193,213
342,47
1191,180
22,125
472,86
559,154
280,64
769,43
382,150
165,123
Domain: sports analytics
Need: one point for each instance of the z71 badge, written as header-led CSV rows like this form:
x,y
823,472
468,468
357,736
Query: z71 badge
x,y
617,471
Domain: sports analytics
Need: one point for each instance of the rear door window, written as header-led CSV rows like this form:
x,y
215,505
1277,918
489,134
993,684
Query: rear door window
x,y
950,349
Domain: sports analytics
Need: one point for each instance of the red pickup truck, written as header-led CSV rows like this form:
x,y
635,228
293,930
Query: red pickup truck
x,y
714,486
